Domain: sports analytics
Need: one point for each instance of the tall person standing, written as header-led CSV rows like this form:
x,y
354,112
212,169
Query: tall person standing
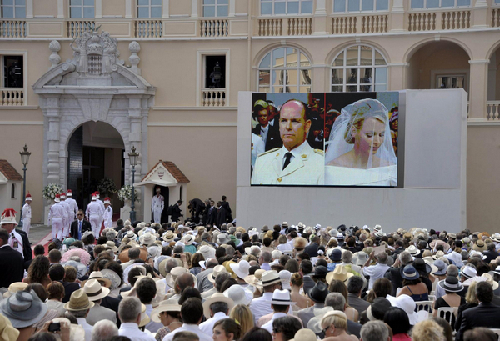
x,y
26,214
157,206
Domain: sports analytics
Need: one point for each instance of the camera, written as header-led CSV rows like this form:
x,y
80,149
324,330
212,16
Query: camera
x,y
54,327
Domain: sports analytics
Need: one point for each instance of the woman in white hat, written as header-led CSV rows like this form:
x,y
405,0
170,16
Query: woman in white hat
x,y
169,315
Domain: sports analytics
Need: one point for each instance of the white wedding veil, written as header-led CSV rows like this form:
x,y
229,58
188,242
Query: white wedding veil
x,y
341,140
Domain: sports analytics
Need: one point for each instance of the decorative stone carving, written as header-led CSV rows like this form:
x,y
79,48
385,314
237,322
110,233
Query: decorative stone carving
x,y
134,59
54,58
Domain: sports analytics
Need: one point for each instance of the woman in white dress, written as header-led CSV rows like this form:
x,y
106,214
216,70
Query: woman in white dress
x,y
360,152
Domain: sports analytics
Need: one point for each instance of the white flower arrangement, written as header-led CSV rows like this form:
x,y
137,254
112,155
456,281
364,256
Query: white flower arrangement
x,y
50,191
125,193
106,186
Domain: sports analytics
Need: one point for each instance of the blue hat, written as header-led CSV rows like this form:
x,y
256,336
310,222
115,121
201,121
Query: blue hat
x,y
336,255
409,272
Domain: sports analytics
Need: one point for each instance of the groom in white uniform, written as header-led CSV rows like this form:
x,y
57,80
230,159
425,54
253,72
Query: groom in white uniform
x,y
295,163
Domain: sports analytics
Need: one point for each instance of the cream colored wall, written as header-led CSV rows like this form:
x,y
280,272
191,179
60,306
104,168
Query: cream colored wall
x,y
45,8
180,7
483,159
206,155
12,140
113,7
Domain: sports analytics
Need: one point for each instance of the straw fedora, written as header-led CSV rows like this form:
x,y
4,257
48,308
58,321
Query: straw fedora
x,y
176,272
217,297
23,309
94,290
188,239
78,301
219,269
162,307
269,277
412,250
339,273
100,278
281,297
168,236
147,239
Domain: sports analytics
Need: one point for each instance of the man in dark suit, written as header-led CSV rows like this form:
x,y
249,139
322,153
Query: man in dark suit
x,y
176,211
484,315
79,226
312,249
229,212
221,214
268,132
11,262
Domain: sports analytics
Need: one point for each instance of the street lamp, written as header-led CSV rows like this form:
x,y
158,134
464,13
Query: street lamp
x,y
25,156
133,162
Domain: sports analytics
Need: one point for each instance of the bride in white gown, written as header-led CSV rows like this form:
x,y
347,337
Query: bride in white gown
x,y
360,151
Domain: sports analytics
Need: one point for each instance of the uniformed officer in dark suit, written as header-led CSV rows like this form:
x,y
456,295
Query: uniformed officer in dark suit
x,y
11,262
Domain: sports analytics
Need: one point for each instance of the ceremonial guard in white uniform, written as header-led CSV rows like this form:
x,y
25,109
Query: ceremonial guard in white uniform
x,y
101,223
56,214
67,214
94,214
72,203
108,214
26,214
157,206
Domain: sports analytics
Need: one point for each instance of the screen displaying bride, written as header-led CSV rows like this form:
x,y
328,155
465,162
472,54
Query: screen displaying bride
x,y
360,150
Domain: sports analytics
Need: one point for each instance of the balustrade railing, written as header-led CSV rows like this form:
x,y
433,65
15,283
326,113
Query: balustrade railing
x,y
422,21
493,110
299,26
495,17
12,29
344,25
213,28
454,20
75,29
148,29
213,98
374,23
270,27
11,96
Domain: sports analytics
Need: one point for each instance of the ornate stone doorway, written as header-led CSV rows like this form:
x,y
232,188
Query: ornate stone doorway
x,y
93,86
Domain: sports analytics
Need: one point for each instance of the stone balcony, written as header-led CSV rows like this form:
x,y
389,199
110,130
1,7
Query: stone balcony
x,y
394,20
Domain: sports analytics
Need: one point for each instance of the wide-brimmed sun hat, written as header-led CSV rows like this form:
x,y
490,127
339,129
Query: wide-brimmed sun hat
x,y
162,307
78,301
339,273
23,309
238,294
15,287
441,267
94,290
217,297
218,269
451,284
97,275
412,250
240,269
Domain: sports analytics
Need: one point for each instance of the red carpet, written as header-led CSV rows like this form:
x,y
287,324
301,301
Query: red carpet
x,y
45,242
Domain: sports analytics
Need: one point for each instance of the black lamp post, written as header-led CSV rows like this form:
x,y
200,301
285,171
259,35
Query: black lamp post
x,y
25,156
133,162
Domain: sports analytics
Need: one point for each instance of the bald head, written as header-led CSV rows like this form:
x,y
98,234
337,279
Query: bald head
x,y
184,281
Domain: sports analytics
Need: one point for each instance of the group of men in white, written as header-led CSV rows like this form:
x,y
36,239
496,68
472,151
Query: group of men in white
x,y
64,211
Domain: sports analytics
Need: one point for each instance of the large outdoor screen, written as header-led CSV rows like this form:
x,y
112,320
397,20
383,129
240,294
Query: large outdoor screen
x,y
325,139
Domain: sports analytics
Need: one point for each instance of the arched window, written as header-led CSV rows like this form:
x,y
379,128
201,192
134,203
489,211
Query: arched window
x,y
359,68
285,69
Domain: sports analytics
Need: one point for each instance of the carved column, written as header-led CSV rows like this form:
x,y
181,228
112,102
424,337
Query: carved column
x,y
134,59
53,134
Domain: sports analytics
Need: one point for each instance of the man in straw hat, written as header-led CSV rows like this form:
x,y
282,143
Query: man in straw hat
x,y
215,308
212,278
95,293
192,314
130,313
260,306
79,306
11,262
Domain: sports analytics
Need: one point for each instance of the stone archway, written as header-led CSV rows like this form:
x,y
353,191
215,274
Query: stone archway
x,y
93,86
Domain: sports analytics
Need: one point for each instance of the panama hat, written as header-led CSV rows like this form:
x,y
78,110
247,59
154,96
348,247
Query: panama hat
x,y
412,250
207,252
219,269
23,309
479,246
162,307
269,277
78,301
147,239
238,294
438,255
339,273
94,290
172,276
217,297
240,269
451,284
168,236
97,275
254,280
187,239
285,277
469,272
281,297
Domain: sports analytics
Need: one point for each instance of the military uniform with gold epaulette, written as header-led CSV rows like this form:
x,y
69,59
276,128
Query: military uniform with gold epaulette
x,y
305,167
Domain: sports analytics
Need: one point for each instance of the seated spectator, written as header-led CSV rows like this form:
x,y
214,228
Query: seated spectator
x,y
375,331
451,299
427,330
412,285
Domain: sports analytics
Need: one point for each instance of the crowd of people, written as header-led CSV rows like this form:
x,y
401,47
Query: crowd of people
x,y
185,281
